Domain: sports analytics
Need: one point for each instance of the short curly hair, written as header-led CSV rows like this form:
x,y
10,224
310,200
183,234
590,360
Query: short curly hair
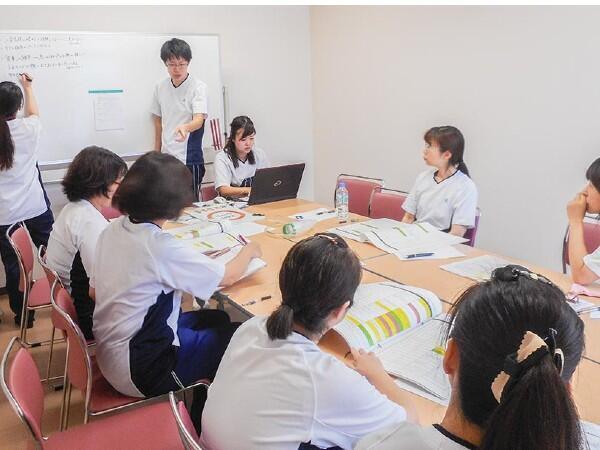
x,y
92,172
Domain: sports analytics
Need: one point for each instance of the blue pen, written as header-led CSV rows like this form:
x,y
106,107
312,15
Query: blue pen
x,y
418,255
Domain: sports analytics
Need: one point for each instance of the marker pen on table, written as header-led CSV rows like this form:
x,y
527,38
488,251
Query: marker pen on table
x,y
418,255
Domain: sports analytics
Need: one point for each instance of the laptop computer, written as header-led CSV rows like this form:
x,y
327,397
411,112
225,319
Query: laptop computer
x,y
276,183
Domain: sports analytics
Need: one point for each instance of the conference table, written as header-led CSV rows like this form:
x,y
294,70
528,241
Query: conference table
x,y
259,294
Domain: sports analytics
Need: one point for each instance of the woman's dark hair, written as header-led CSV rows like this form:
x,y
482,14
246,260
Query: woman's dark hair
x,y
11,100
449,139
239,123
157,186
488,323
175,48
593,174
91,173
318,275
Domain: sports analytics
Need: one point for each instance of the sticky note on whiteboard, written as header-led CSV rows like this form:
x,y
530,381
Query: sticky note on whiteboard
x,y
108,109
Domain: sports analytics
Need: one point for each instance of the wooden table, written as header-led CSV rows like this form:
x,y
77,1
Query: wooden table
x,y
259,294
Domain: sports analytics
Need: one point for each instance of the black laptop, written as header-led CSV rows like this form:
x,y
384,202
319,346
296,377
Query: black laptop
x,y
276,183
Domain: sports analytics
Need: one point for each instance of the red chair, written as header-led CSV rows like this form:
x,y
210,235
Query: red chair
x,y
359,191
591,237
55,283
36,293
208,192
471,233
187,432
81,371
149,427
387,203
110,213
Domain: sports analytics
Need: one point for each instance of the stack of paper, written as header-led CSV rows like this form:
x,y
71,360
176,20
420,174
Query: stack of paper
x,y
407,241
221,241
478,269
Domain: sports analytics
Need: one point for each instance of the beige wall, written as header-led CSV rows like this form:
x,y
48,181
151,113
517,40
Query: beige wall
x,y
265,61
522,83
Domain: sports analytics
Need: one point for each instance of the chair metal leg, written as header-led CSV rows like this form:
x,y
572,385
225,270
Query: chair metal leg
x,y
50,355
24,318
67,403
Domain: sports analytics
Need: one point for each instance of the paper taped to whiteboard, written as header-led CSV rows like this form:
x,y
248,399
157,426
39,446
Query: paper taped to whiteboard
x,y
108,109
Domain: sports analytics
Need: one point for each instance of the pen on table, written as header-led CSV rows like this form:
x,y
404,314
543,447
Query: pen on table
x,y
216,253
252,302
418,255
242,240
325,212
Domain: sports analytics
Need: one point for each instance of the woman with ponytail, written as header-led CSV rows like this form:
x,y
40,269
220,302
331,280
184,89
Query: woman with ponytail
x,y
236,165
22,195
513,346
444,195
276,390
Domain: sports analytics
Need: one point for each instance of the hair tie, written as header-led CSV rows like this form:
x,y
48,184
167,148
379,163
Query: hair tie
x,y
513,272
530,352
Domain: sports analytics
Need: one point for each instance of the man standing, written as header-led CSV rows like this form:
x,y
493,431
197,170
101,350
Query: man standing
x,y
179,110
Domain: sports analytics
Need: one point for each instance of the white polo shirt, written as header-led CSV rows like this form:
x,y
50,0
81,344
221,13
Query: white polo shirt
x,y
242,175
75,231
139,274
274,395
592,261
21,192
176,106
410,436
452,201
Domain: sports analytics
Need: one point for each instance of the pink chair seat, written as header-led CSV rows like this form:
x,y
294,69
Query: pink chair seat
x,y
208,192
591,239
40,293
104,396
126,430
387,203
359,192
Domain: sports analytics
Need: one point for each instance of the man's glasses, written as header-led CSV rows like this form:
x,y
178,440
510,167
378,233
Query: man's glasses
x,y
176,65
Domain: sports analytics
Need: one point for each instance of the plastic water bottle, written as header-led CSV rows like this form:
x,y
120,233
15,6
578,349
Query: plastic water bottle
x,y
341,202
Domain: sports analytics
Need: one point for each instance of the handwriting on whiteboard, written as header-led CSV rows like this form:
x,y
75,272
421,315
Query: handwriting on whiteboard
x,y
31,53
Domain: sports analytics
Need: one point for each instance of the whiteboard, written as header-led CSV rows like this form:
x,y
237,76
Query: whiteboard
x,y
97,88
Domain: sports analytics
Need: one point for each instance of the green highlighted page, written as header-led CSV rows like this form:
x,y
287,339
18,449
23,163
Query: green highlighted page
x,y
383,311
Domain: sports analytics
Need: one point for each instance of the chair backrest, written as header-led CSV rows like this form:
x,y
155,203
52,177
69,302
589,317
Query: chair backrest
x,y
19,239
387,203
591,238
79,365
22,386
110,213
359,191
208,192
471,233
187,432
51,275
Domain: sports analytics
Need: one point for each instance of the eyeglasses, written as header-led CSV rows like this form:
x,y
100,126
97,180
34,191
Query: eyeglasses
x,y
176,65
